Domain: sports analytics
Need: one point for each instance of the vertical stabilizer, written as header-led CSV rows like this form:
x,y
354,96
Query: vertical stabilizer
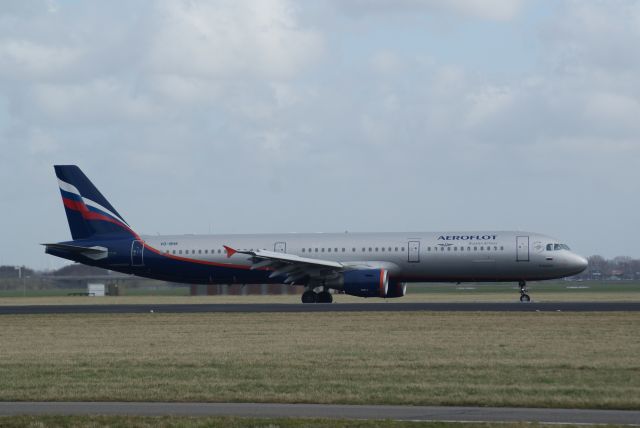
x,y
88,212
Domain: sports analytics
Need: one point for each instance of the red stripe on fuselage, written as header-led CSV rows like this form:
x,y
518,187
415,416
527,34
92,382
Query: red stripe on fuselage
x,y
197,261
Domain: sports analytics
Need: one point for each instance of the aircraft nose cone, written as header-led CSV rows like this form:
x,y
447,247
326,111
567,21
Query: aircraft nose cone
x,y
579,263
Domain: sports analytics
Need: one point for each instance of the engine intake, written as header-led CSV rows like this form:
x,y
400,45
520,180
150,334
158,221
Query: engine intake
x,y
396,289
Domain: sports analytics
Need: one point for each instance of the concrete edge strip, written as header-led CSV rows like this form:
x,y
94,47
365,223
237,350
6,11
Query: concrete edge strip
x,y
276,410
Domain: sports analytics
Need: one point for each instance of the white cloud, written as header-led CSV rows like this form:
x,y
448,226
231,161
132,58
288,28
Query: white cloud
x,y
24,59
231,39
592,36
495,10
41,143
487,103
100,101
613,113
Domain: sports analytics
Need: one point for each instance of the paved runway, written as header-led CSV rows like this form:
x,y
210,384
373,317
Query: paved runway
x,y
267,410
335,307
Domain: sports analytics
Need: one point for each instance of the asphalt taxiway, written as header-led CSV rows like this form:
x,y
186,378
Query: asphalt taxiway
x,y
333,307
333,411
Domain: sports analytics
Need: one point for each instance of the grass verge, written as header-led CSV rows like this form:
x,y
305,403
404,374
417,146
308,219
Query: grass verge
x,y
544,291
580,360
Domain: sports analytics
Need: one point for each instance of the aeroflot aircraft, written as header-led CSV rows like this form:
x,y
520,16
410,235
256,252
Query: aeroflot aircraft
x,y
359,264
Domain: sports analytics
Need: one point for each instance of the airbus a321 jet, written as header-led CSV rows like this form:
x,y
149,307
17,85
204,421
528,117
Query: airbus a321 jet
x,y
359,264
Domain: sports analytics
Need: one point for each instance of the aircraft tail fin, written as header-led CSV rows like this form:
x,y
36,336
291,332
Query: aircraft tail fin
x,y
88,212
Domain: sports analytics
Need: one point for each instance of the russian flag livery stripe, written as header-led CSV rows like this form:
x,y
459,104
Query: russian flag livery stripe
x,y
88,212
69,191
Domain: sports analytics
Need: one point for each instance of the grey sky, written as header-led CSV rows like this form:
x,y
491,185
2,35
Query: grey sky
x,y
288,116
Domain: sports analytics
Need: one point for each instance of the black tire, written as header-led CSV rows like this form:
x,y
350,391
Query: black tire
x,y
525,298
325,297
309,297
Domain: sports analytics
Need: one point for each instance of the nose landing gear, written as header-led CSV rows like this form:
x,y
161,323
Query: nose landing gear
x,y
524,297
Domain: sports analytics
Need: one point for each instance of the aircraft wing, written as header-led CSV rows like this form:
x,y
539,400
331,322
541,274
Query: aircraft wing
x,y
289,265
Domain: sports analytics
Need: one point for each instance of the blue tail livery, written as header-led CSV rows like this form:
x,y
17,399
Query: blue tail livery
x,y
359,264
88,212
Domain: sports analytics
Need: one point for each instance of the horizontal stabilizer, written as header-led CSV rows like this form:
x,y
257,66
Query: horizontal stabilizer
x,y
94,253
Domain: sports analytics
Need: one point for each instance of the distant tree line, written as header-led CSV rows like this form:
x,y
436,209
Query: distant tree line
x,y
621,267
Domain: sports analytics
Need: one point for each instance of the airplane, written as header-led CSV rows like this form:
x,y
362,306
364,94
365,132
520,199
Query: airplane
x,y
358,264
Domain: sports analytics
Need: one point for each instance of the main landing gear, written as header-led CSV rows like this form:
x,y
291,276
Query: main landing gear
x,y
524,297
311,296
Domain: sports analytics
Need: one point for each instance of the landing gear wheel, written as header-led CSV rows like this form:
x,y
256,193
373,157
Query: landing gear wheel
x,y
325,297
524,297
309,297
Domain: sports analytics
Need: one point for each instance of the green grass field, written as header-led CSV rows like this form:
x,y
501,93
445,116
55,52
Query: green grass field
x,y
582,360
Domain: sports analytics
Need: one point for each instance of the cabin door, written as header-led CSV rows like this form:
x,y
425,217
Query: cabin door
x,y
522,248
137,253
414,251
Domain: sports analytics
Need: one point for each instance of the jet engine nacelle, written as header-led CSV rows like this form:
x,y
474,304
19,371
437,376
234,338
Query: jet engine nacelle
x,y
396,289
366,282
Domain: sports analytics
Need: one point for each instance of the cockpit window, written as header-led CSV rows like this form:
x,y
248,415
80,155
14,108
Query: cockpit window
x,y
549,247
557,247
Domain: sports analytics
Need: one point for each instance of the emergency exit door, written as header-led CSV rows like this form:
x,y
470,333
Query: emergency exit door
x,y
280,247
522,248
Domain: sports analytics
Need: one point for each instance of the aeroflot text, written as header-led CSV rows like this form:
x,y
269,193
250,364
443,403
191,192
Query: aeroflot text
x,y
467,237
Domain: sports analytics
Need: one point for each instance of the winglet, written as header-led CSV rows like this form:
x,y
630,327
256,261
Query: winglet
x,y
230,251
